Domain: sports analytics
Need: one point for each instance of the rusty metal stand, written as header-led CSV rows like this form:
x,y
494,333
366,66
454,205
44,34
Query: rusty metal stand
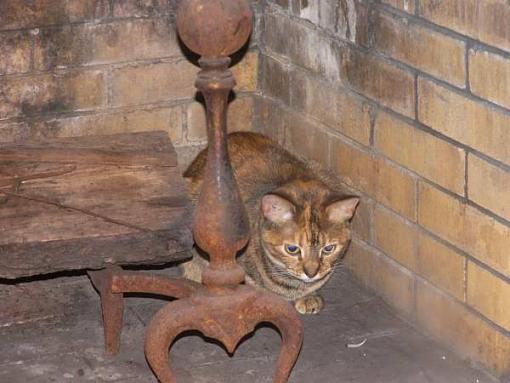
x,y
223,307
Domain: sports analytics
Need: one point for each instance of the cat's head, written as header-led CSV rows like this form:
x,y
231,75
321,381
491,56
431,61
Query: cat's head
x,y
304,235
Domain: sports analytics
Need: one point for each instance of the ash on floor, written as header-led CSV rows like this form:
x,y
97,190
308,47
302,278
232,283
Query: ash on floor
x,y
51,332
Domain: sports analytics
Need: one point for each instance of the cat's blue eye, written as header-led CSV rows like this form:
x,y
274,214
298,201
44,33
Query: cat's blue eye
x,y
292,249
328,249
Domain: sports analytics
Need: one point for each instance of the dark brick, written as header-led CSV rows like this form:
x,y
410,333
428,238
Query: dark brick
x,y
14,131
63,46
35,13
362,35
275,32
270,118
52,93
282,3
432,52
105,43
486,21
275,82
336,108
143,8
289,38
163,119
16,49
389,85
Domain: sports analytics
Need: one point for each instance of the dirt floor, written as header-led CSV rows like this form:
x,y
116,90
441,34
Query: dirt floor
x,y
53,333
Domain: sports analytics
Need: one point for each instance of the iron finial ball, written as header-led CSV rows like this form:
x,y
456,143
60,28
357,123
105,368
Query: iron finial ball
x,y
214,28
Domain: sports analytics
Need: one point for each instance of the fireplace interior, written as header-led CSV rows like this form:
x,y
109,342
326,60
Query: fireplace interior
x,y
406,101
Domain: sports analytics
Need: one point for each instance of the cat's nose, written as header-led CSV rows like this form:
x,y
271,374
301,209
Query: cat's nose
x,y
311,269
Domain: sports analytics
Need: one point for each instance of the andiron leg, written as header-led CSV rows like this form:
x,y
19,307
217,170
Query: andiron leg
x,y
112,307
112,282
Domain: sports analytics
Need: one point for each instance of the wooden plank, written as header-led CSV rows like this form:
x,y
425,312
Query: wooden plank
x,y
128,199
146,248
124,149
61,214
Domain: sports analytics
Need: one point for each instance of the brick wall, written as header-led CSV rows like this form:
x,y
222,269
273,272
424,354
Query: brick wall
x,y
80,67
409,102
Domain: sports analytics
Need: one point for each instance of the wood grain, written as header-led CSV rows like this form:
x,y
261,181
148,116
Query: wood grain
x,y
80,203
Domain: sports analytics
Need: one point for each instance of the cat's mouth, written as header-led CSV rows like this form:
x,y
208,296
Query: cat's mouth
x,y
305,278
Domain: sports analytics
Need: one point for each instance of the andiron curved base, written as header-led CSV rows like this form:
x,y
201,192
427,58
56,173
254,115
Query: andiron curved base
x,y
226,314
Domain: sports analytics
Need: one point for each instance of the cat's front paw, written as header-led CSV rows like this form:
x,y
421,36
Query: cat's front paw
x,y
310,304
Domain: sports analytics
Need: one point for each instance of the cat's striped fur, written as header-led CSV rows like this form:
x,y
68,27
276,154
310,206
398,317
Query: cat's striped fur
x,y
290,204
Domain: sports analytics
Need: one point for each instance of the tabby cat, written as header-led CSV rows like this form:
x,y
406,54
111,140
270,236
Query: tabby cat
x,y
299,220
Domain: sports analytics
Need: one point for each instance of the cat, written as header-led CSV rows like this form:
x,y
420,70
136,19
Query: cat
x,y
299,220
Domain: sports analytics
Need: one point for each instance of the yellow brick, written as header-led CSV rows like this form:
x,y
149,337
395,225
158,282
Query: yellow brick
x,y
395,285
245,72
305,139
421,47
404,5
395,237
240,113
394,188
336,108
441,265
196,122
362,219
467,121
489,76
116,42
485,20
489,186
385,182
43,93
239,118
389,280
165,119
153,83
271,118
454,325
421,152
377,79
358,259
84,90
489,295
469,229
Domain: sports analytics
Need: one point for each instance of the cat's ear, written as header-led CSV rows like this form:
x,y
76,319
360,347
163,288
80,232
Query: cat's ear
x,y
343,210
277,209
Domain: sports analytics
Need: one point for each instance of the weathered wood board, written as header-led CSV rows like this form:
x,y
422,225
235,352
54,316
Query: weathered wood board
x,y
82,203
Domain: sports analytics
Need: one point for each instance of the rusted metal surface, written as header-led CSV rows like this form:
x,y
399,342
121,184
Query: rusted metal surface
x,y
113,282
222,308
227,317
214,28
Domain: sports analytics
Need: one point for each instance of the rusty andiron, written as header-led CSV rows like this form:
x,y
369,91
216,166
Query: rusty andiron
x,y
223,307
